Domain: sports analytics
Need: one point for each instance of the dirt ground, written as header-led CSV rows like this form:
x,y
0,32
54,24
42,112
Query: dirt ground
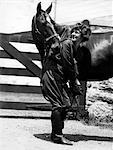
x,y
34,134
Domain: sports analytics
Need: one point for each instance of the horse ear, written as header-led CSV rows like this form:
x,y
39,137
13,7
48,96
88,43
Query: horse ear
x,y
48,10
39,8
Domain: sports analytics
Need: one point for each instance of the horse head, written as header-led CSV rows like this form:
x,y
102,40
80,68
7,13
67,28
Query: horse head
x,y
43,30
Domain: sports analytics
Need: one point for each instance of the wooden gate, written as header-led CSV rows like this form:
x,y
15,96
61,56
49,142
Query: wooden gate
x,y
25,63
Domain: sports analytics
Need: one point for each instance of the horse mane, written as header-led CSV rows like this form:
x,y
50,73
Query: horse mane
x,y
38,40
62,30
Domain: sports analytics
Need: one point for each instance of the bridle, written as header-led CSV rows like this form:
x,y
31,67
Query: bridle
x,y
38,32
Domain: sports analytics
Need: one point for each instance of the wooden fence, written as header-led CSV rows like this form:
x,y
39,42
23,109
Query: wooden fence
x,y
20,65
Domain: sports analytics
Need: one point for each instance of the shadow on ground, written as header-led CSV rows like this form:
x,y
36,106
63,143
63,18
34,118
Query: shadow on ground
x,y
76,138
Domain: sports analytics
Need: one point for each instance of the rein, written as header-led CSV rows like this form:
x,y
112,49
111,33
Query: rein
x,y
37,31
52,36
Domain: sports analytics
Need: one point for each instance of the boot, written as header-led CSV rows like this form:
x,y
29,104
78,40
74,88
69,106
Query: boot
x,y
60,139
57,126
56,122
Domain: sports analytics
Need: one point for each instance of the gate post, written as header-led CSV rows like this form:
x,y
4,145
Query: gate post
x,y
82,98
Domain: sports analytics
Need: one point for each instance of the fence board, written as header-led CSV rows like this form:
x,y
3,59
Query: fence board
x,y
15,71
7,113
33,56
25,106
20,88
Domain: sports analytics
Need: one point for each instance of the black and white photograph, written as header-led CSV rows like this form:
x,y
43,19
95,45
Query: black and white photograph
x,y
56,74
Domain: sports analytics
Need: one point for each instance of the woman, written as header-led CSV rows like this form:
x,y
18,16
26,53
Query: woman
x,y
60,68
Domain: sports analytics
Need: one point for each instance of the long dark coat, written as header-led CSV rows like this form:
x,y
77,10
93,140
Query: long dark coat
x,y
59,67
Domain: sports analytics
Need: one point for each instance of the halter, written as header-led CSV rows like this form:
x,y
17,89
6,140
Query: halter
x,y
37,31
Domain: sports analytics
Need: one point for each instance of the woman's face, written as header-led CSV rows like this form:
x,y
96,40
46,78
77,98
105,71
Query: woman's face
x,y
75,34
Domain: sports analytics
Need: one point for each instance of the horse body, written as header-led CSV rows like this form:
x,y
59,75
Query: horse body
x,y
95,59
101,50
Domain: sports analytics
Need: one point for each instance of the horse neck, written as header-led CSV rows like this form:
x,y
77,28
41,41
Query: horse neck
x,y
58,28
